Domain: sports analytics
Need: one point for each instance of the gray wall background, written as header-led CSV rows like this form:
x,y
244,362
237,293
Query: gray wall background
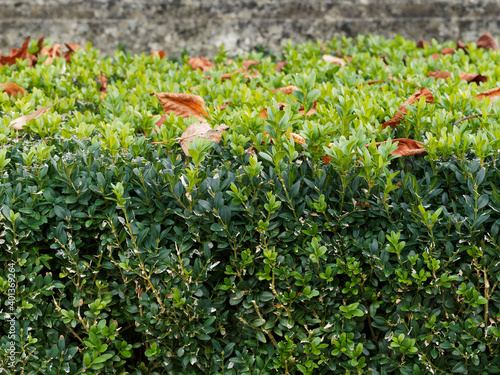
x,y
201,26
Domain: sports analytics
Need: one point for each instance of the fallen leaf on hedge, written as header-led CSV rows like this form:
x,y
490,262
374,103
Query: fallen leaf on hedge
x,y
363,204
251,150
327,159
297,138
72,47
281,106
487,42
202,130
447,51
104,86
310,112
435,56
461,45
223,106
161,54
19,53
240,70
394,122
334,60
18,123
200,63
493,93
248,63
51,52
406,147
468,77
183,105
439,74
280,65
287,89
472,77
12,89
422,43
159,123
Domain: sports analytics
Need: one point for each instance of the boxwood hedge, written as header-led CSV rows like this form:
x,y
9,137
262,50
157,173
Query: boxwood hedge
x,y
257,254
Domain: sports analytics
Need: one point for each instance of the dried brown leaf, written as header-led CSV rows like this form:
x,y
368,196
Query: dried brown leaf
x,y
312,111
493,93
394,122
12,89
297,138
200,63
72,47
473,77
439,74
202,130
263,113
248,63
461,45
334,60
159,123
287,89
435,56
18,53
104,86
161,54
183,105
223,106
280,65
422,43
447,51
406,147
18,123
487,42
51,52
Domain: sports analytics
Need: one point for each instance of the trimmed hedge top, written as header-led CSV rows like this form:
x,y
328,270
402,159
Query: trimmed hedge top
x,y
336,213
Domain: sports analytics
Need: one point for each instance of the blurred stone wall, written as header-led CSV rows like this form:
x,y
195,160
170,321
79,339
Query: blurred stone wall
x,y
201,26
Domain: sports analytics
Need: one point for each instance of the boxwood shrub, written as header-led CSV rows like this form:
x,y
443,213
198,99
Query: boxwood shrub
x,y
257,254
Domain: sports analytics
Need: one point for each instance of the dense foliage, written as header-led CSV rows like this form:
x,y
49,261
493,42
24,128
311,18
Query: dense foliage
x,y
253,256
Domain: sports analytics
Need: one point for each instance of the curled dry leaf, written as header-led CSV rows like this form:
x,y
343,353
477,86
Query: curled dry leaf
x,y
104,86
18,123
280,65
248,63
422,43
159,123
229,75
200,63
19,53
161,54
223,106
281,106
327,159
362,204
287,89
394,122
461,45
183,105
487,42
447,51
334,60
12,89
251,150
263,113
439,74
493,93
202,130
468,77
472,77
72,47
406,147
297,138
51,52
312,111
